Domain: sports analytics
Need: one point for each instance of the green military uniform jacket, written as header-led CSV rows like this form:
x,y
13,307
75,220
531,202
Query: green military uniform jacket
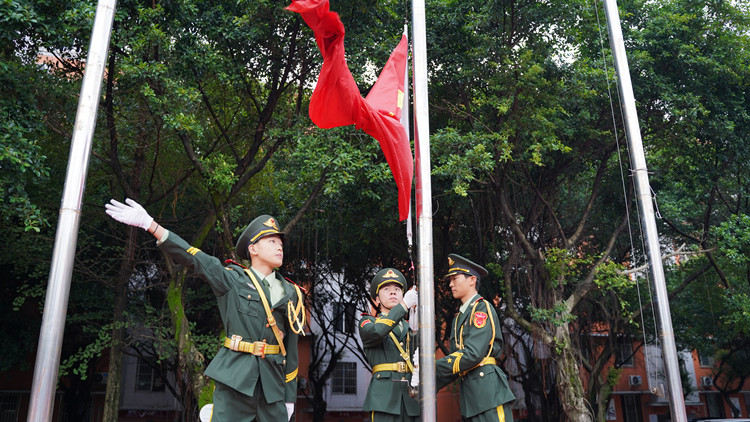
x,y
243,314
388,389
475,335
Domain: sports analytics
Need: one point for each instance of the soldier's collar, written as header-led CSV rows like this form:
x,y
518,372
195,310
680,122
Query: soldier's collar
x,y
230,261
469,302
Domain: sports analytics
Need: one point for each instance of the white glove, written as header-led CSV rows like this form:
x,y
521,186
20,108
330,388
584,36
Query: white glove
x,y
415,375
410,298
131,214
414,319
206,413
289,410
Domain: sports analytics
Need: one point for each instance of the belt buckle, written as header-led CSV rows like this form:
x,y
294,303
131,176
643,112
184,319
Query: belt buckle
x,y
259,348
235,344
401,367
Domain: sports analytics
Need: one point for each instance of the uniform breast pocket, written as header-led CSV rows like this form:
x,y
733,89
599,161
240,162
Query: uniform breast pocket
x,y
249,303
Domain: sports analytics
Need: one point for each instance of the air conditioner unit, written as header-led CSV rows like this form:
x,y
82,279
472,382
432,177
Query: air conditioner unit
x,y
707,381
634,380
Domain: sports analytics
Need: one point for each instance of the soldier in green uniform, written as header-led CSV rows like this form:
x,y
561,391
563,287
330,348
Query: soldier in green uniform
x,y
475,345
263,314
389,344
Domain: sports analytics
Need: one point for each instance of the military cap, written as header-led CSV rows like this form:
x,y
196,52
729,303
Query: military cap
x,y
265,225
460,265
385,276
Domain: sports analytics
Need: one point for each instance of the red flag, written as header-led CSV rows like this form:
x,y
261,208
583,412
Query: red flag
x,y
336,100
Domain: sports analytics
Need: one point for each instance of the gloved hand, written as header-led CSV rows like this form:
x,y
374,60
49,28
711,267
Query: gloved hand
x,y
415,375
289,410
131,214
414,319
410,298
206,413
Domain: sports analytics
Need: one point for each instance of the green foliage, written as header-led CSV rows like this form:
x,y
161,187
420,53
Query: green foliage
x,y
557,316
22,161
26,292
79,363
609,276
737,318
613,376
220,176
560,265
733,236
467,157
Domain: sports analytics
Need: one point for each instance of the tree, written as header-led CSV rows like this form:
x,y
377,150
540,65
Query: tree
x,y
528,162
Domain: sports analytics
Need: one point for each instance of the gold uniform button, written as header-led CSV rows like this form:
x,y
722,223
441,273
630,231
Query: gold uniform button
x,y
378,375
283,362
481,374
248,296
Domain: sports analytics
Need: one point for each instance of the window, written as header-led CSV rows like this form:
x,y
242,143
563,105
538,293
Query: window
x,y
624,352
715,406
148,378
343,317
345,378
705,360
631,408
9,403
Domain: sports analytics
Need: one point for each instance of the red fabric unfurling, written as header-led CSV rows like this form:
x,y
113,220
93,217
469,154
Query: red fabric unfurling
x,y
336,100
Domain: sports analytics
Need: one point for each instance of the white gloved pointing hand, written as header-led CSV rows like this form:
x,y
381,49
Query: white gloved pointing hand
x,y
131,214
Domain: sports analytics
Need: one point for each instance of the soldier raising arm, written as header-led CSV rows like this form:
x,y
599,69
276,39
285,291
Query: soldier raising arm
x,y
256,367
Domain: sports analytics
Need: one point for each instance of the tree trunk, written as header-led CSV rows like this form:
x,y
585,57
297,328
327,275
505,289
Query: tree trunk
x,y
114,373
569,378
189,359
602,401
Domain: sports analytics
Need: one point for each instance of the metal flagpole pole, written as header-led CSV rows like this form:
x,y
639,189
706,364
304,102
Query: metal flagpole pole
x,y
47,363
424,215
643,190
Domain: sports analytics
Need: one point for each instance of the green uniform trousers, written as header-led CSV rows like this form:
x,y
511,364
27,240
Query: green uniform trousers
x,y
232,406
389,417
500,414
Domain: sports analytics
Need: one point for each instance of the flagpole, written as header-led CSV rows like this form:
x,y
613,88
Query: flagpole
x,y
643,190
47,364
424,215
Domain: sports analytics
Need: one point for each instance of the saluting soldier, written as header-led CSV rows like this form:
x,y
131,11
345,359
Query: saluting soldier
x,y
255,371
389,344
476,344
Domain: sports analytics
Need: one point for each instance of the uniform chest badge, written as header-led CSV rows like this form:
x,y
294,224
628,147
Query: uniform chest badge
x,y
480,319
